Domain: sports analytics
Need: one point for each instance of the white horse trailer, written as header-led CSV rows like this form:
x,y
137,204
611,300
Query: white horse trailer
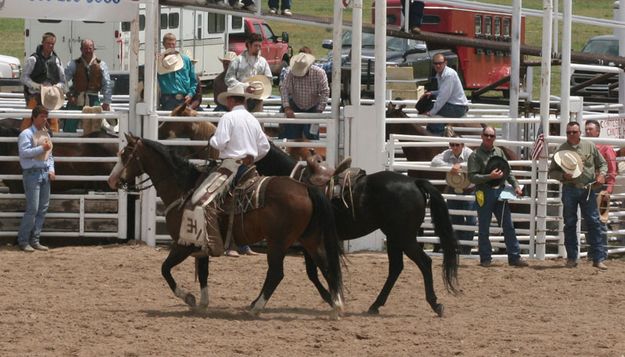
x,y
200,34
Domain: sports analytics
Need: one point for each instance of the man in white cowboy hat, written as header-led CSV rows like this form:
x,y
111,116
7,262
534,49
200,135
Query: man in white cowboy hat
x,y
488,202
176,75
219,83
239,138
42,69
37,164
458,183
248,64
90,77
578,165
304,90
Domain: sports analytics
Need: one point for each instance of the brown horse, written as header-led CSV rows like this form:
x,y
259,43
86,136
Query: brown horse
x,y
200,130
292,212
82,149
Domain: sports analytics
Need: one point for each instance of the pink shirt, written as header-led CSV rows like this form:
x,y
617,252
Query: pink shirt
x,y
610,157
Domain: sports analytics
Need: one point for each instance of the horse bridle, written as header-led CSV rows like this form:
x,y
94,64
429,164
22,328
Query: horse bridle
x,y
135,187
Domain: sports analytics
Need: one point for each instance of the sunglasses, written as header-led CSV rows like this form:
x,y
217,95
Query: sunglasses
x,y
490,136
437,63
572,132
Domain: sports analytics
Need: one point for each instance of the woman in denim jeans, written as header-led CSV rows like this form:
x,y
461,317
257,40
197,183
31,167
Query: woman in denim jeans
x,y
37,170
577,181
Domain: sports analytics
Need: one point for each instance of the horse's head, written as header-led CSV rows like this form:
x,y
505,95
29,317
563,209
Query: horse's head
x,y
128,164
319,173
395,111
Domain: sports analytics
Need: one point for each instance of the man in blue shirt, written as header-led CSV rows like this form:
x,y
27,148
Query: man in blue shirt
x,y
35,152
450,99
176,75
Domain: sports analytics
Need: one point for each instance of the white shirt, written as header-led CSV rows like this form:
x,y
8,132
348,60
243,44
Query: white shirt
x,y
239,134
449,90
246,66
447,157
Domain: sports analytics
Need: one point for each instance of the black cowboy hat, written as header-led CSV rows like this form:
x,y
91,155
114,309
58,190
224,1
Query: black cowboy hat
x,y
498,162
424,105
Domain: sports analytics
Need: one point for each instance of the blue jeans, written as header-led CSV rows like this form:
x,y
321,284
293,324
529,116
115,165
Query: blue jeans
x,y
298,131
37,191
169,102
447,111
286,4
501,209
463,220
573,197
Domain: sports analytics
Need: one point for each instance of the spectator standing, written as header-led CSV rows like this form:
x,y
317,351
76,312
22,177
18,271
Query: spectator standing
x,y
454,157
577,164
219,83
415,17
593,130
42,69
248,64
90,77
176,75
304,90
450,99
489,170
274,7
37,162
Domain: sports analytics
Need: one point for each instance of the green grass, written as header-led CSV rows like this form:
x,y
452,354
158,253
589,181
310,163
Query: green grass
x,y
12,30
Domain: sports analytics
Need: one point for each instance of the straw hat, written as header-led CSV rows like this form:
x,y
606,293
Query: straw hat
x,y
169,61
300,64
40,137
458,181
228,56
603,204
238,90
569,161
498,162
261,85
52,97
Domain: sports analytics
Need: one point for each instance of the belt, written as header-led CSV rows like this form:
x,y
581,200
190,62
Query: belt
x,y
247,161
35,169
179,96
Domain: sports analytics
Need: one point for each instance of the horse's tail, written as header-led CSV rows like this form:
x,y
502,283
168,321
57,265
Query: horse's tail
x,y
323,218
444,230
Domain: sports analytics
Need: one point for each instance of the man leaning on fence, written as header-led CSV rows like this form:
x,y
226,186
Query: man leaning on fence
x,y
579,166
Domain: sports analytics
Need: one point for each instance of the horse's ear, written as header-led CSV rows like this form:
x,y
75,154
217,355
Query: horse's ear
x,y
131,138
390,106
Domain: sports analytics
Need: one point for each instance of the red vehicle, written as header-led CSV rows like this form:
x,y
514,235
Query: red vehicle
x,y
478,66
276,50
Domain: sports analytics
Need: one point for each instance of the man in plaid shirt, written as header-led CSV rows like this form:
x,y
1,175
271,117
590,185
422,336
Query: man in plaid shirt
x,y
304,90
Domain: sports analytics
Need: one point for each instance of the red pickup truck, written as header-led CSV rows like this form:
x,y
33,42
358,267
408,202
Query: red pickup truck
x,y
276,50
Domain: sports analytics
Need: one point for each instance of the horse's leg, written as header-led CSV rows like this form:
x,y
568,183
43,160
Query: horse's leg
x,y
202,273
424,262
395,267
275,273
177,255
311,271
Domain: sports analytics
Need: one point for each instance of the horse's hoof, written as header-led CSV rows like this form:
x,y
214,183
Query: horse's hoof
x,y
373,311
335,315
190,300
440,309
253,312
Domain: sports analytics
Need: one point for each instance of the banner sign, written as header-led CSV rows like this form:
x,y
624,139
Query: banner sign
x,y
613,127
85,10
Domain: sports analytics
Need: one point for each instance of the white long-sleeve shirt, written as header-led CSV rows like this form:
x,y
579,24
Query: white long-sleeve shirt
x,y
447,157
246,66
238,135
449,90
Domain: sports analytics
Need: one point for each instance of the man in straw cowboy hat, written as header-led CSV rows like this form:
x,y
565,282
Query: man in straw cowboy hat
x,y
241,142
37,162
578,165
593,130
489,170
304,90
176,75
42,69
248,64
458,183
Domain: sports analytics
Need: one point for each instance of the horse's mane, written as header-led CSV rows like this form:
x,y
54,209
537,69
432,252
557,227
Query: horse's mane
x,y
275,163
185,173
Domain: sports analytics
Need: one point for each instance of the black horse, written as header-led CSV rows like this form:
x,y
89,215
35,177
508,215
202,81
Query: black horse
x,y
395,204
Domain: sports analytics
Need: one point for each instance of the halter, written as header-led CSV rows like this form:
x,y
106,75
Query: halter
x,y
135,187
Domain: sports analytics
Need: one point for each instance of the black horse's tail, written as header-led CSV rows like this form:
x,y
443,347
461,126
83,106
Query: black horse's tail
x,y
444,230
323,218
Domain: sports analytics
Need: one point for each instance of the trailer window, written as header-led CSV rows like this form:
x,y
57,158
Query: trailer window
x,y
141,22
237,22
47,21
478,25
488,22
125,26
506,27
497,26
431,20
217,23
174,20
163,21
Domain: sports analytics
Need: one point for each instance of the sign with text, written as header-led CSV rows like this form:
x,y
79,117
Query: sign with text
x,y
85,10
613,127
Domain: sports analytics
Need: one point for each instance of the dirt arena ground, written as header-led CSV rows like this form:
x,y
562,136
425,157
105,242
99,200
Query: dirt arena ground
x,y
111,300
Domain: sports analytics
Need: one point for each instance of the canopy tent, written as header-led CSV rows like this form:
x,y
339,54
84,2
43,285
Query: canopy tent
x,y
86,10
